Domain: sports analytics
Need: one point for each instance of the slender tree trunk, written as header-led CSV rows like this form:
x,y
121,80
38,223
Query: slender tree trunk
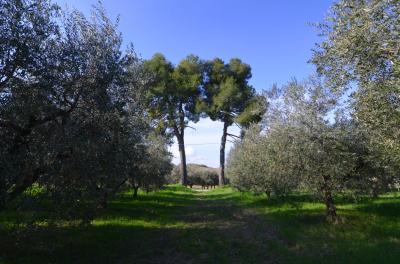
x,y
222,155
182,155
135,192
330,205
180,135
375,192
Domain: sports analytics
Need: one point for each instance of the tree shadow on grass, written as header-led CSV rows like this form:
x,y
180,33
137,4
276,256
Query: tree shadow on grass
x,y
182,227
382,209
359,238
165,208
157,228
132,244
115,243
92,244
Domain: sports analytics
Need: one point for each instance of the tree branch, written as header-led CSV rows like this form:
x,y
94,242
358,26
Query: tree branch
x,y
234,136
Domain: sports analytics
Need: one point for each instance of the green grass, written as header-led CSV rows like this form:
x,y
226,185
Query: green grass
x,y
369,231
179,225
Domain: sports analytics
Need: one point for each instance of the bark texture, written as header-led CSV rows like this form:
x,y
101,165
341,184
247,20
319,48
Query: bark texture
x,y
330,205
222,155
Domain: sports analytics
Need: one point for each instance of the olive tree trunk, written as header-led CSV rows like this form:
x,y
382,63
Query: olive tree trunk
x,y
135,192
330,205
26,182
109,193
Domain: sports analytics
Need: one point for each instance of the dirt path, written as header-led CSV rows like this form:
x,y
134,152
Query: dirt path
x,y
218,230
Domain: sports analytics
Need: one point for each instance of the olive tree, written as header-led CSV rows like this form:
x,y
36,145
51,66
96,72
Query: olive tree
x,y
151,173
360,52
264,162
29,36
305,140
71,115
202,175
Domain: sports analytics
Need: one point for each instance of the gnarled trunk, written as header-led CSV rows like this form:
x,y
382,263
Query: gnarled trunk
x,y
330,205
103,202
221,177
27,181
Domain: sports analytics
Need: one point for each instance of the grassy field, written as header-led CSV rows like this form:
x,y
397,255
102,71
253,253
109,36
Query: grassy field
x,y
179,225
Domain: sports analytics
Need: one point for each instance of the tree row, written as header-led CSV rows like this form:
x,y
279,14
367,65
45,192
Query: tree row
x,y
338,131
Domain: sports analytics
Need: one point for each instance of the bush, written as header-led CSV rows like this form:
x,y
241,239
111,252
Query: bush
x,y
261,164
197,175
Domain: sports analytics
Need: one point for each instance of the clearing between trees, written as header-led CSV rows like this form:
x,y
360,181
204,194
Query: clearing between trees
x,y
181,225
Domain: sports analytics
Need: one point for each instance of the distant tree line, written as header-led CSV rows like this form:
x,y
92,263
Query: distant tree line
x,y
198,174
338,131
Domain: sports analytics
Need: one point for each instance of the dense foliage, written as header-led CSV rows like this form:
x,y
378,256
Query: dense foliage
x,y
200,175
195,88
173,96
338,133
263,163
360,52
72,114
308,142
230,99
151,173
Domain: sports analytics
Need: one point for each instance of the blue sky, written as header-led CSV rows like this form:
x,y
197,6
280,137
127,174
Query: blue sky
x,y
273,36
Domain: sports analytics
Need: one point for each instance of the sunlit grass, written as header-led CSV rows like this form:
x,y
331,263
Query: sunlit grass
x,y
368,233
194,225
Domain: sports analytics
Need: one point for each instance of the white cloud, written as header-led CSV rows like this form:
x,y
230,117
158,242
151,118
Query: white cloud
x,y
189,151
